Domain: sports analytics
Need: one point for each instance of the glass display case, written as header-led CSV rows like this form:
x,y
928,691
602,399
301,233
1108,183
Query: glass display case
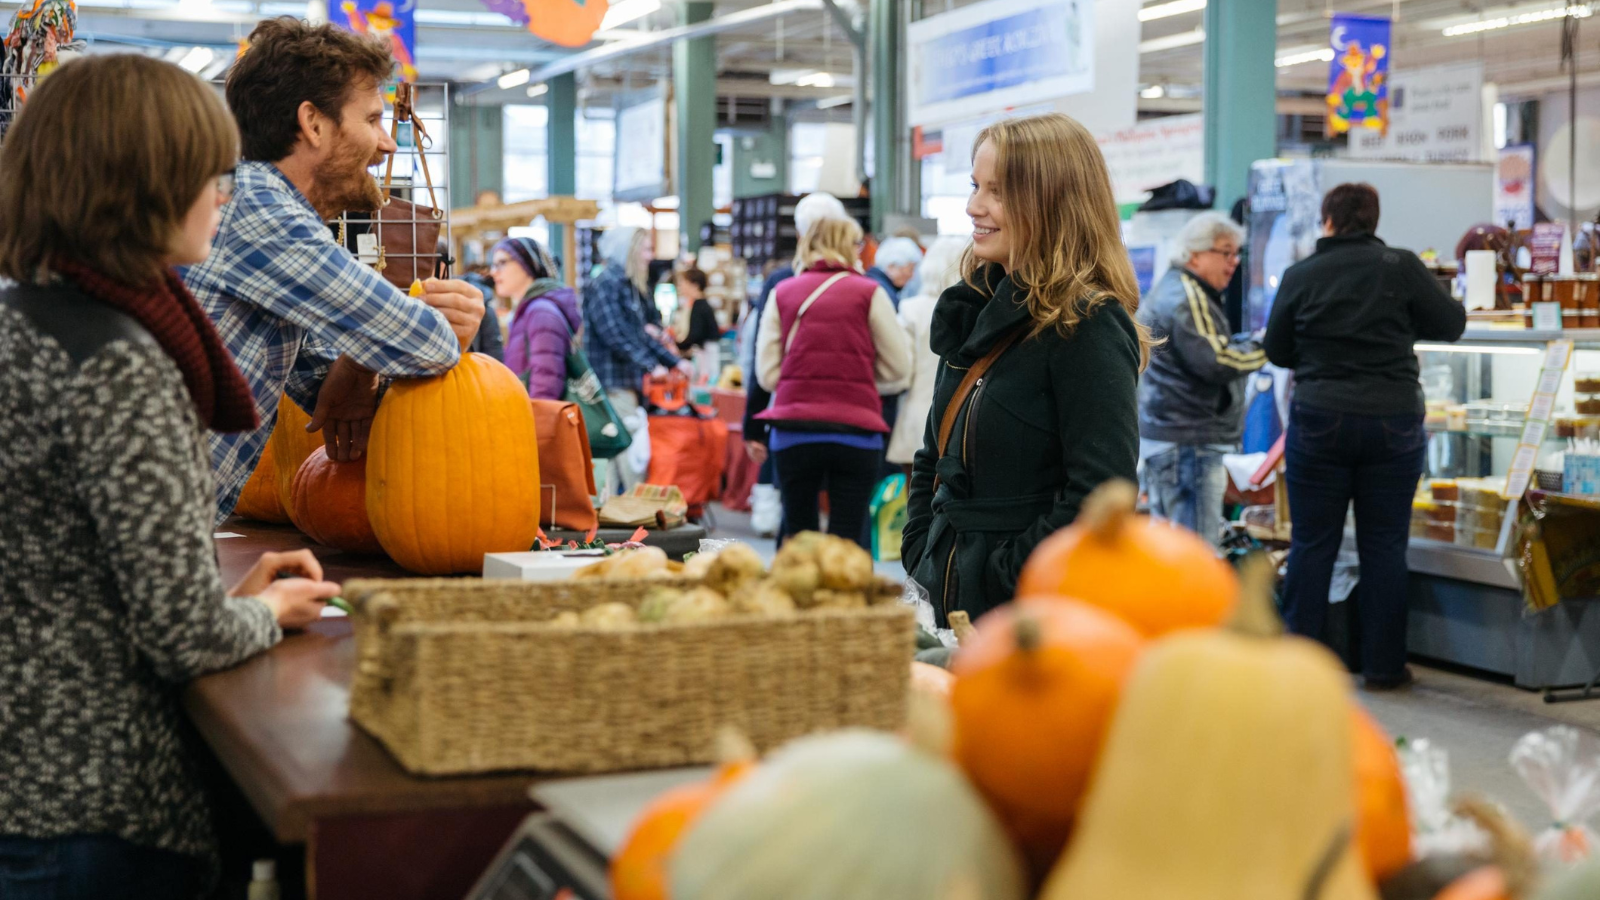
x,y
1480,392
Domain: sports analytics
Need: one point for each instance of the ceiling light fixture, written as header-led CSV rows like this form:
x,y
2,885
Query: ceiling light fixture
x,y
1153,92
1173,8
627,11
514,79
1173,41
835,102
1324,54
1582,11
539,90
816,79
197,59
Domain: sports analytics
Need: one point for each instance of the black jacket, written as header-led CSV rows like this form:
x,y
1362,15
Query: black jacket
x,y
1345,320
757,399
1054,418
703,327
1193,390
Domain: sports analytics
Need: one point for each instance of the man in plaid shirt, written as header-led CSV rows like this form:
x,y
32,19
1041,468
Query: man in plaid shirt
x,y
299,313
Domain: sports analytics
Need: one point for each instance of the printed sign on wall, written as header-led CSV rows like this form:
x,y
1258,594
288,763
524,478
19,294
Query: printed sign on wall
x,y
1435,115
392,20
1514,185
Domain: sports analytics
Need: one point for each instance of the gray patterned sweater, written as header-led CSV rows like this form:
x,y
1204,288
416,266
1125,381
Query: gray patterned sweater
x,y
110,598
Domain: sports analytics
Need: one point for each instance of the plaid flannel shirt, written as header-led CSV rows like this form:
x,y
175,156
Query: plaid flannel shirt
x,y
288,301
614,316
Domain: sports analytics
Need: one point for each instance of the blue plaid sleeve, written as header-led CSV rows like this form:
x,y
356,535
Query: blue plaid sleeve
x,y
620,329
289,267
305,376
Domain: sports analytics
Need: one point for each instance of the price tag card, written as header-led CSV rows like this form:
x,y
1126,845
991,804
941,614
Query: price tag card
x,y
1542,407
1546,317
1533,433
1521,471
1556,354
1549,381
367,251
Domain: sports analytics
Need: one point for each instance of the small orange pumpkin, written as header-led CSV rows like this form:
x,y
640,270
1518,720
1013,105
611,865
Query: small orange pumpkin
x,y
291,444
1383,819
639,870
1034,692
259,498
1157,576
330,503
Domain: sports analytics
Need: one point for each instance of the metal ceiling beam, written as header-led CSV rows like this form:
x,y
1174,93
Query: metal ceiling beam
x,y
849,24
620,49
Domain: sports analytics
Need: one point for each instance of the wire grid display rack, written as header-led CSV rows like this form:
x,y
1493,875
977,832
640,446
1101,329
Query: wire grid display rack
x,y
408,239
12,87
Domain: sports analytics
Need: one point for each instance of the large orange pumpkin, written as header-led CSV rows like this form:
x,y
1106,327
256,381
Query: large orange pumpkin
x,y
1157,576
639,870
259,499
1383,820
291,444
453,468
1034,693
330,503
1486,883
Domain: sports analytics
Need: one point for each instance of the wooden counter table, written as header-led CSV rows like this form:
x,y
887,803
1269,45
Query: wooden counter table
x,y
278,725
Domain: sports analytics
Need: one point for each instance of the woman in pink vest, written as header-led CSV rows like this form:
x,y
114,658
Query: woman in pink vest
x,y
828,348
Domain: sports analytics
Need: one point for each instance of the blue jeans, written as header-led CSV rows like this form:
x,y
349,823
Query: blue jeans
x,y
91,867
1334,458
1186,485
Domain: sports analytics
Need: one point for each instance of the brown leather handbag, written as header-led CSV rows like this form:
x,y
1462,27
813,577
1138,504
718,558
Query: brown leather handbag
x,y
408,233
566,467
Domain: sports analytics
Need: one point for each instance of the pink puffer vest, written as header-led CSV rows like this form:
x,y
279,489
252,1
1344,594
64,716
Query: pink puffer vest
x,y
828,374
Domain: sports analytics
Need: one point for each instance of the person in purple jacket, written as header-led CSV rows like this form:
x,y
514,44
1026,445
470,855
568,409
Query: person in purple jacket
x,y
544,320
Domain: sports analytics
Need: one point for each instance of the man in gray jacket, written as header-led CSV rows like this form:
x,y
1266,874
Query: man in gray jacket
x,y
1191,398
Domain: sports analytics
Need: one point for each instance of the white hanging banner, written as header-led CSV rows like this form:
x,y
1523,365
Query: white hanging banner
x,y
997,54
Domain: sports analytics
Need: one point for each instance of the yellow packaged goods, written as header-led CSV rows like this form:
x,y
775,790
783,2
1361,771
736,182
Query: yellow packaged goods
x,y
1586,382
1444,488
1586,404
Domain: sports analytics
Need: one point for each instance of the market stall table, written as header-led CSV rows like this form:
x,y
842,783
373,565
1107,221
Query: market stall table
x,y
278,725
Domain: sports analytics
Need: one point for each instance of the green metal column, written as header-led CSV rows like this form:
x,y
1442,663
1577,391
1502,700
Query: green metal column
x,y
694,85
768,148
561,149
883,30
477,153
1241,97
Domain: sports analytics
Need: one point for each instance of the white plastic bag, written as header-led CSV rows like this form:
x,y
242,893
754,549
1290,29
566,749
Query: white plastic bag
x,y
1435,827
1562,766
916,596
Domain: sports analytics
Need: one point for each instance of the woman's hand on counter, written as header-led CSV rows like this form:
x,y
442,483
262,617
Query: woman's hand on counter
x,y
297,602
272,566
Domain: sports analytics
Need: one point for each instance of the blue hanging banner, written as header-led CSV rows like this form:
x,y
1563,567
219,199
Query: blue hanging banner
x,y
1358,76
392,20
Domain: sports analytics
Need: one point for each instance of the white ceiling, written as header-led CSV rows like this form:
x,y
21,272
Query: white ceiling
x,y
459,40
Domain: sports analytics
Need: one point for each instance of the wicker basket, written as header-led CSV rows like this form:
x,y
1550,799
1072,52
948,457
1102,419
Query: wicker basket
x,y
459,676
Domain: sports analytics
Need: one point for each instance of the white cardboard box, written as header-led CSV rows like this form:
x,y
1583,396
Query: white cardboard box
x,y
539,565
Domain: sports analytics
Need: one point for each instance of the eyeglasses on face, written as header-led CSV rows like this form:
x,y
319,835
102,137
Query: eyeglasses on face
x,y
1229,255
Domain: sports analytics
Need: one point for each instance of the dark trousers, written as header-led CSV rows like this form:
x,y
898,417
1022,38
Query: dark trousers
x,y
1334,458
92,867
848,475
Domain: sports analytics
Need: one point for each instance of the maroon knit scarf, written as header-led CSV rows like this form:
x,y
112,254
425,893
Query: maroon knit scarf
x,y
170,313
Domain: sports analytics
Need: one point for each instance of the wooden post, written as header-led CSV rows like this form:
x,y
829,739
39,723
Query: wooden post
x,y
569,253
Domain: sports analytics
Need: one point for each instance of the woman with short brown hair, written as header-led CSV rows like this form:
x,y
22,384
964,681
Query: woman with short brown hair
x,y
1034,405
110,598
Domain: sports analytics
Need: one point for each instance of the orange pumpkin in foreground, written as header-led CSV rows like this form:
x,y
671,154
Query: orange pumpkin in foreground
x,y
453,468
291,444
330,503
1383,819
639,871
1486,883
1035,690
259,498
1158,577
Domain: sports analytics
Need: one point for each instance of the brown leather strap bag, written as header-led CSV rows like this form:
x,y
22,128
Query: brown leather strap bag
x,y
408,233
947,422
566,467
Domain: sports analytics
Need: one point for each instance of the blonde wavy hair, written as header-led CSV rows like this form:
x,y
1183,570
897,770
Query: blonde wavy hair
x,y
829,240
1067,255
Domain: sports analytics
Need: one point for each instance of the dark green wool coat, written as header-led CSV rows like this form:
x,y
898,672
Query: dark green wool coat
x,y
1052,419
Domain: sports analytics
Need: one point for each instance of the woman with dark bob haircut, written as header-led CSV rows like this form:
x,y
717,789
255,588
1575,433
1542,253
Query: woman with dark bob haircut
x,y
1345,321
110,375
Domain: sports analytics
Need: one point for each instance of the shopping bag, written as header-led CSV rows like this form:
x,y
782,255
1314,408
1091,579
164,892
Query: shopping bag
x,y
566,467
